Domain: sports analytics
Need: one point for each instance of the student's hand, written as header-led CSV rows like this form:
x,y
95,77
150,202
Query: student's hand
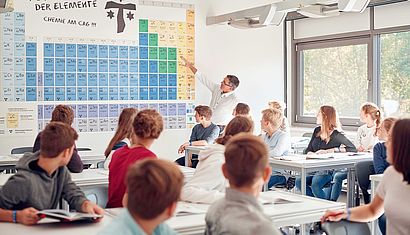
x,y
182,148
91,208
311,153
361,148
27,216
333,216
321,151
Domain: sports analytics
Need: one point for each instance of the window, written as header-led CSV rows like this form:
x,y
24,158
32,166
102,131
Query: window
x,y
395,73
333,73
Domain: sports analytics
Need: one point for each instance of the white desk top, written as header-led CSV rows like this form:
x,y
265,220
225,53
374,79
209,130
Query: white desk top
x,y
99,176
300,161
88,157
307,210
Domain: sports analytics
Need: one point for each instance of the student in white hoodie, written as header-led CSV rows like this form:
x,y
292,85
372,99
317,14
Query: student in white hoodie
x,y
208,183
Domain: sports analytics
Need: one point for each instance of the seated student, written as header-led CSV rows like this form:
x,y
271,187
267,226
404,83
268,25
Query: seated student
x,y
393,192
379,164
277,141
247,169
122,135
208,184
63,113
366,134
241,109
326,138
153,190
274,104
365,140
42,179
147,126
203,133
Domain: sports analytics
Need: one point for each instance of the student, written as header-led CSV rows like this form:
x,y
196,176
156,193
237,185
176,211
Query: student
x,y
203,133
147,126
379,163
274,104
277,141
393,192
247,169
63,113
326,138
223,96
241,109
153,190
42,179
366,134
122,135
208,184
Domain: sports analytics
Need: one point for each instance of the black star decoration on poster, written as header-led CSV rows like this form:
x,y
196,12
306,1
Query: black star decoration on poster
x,y
130,16
110,14
120,14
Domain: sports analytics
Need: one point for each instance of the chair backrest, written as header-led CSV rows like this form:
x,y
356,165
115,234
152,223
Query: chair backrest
x,y
97,195
307,134
83,149
21,150
345,227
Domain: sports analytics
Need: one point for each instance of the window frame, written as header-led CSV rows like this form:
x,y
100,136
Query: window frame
x,y
370,37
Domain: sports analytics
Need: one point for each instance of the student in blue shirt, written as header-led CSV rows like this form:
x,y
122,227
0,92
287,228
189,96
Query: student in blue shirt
x,y
203,133
277,141
153,189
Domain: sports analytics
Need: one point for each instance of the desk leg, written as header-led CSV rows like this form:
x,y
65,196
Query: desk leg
x,y
303,181
351,179
303,190
186,157
373,186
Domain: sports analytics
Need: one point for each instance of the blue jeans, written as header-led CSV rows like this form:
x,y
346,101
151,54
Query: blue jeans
x,y
276,180
338,177
315,185
382,224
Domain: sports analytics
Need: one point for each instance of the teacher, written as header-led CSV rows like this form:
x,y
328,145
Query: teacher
x,y
223,99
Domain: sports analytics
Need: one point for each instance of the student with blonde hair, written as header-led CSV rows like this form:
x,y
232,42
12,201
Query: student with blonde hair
x,y
366,134
378,165
277,141
122,135
275,104
326,138
247,169
393,192
208,184
153,190
147,127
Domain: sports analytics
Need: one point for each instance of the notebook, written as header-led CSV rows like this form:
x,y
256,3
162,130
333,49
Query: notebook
x,y
67,216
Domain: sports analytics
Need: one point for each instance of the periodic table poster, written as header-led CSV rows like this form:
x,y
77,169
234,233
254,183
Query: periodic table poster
x,y
99,57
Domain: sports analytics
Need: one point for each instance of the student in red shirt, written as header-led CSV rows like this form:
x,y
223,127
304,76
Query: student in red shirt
x,y
147,126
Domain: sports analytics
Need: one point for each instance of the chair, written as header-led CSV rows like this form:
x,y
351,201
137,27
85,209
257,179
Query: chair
x,y
307,134
83,149
21,150
345,227
97,195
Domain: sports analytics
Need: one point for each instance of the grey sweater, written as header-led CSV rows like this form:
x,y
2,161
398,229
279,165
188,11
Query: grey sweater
x,y
31,186
240,214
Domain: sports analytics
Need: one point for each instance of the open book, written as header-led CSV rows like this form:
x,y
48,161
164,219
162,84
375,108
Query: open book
x,y
66,216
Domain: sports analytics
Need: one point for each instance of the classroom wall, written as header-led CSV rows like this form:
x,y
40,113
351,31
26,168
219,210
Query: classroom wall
x,y
254,55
